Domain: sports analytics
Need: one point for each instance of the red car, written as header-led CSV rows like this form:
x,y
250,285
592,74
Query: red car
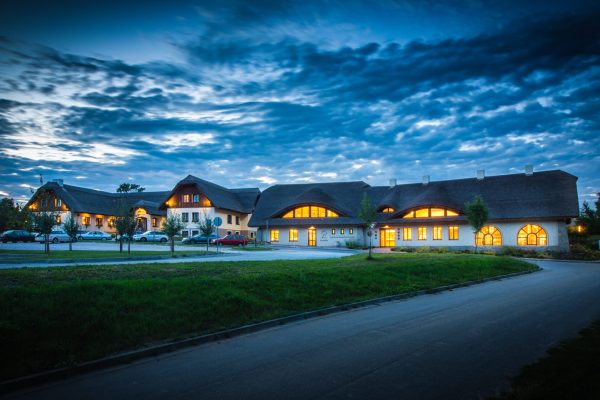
x,y
235,240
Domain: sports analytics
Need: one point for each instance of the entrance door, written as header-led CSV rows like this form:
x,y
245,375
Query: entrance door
x,y
312,237
387,237
142,224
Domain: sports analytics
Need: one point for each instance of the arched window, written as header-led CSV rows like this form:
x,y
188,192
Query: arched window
x,y
388,210
430,212
489,236
311,212
532,235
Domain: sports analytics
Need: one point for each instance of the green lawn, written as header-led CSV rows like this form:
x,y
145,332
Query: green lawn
x,y
571,370
38,255
53,317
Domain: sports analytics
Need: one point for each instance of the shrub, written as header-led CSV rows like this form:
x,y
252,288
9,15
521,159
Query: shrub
x,y
424,249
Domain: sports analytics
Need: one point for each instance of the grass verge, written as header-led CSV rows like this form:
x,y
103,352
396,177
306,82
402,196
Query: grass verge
x,y
570,370
56,317
38,255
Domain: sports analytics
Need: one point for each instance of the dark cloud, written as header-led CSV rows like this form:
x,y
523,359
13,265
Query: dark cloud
x,y
248,110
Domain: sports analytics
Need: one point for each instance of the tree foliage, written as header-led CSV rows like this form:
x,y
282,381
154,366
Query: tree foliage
x,y
44,219
477,214
13,216
367,215
589,218
125,225
130,187
207,227
171,228
71,228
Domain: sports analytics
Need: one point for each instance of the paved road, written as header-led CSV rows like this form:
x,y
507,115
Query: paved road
x,y
462,344
228,254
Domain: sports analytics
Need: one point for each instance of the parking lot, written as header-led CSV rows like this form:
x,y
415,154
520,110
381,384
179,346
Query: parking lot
x,y
104,245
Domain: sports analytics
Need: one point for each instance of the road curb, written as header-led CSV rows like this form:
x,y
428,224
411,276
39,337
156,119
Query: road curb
x,y
129,357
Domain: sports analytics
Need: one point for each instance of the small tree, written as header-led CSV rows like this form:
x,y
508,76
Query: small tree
x,y
590,218
171,228
71,228
477,214
44,219
367,215
125,225
130,187
207,228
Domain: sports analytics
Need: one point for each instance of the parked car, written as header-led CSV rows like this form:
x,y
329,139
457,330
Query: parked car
x,y
55,237
95,235
150,236
80,233
200,238
125,238
235,240
17,236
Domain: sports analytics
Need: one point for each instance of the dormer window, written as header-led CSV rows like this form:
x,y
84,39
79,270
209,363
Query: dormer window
x,y
430,212
185,198
57,203
388,210
311,212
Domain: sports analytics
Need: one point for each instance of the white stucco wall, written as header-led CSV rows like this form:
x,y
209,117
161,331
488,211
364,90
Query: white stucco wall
x,y
466,238
212,212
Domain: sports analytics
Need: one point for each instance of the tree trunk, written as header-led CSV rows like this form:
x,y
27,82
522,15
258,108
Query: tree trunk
x,y
172,245
129,246
121,244
47,244
207,240
70,244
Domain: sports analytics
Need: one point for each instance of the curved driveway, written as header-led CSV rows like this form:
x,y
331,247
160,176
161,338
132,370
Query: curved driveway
x,y
460,344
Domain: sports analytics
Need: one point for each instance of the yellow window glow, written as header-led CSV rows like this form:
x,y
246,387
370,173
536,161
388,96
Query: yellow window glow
x,y
451,213
289,214
409,215
532,235
388,210
422,233
293,235
453,232
422,213
489,236
310,212
407,233
438,212
274,235
437,233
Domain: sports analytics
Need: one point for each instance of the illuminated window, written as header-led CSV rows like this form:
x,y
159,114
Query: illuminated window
x,y
111,222
154,222
532,235
196,198
433,212
58,219
489,236
388,210
351,231
437,233
333,231
99,221
57,203
342,231
310,212
453,232
293,235
422,233
86,221
274,235
206,203
185,198
185,217
407,233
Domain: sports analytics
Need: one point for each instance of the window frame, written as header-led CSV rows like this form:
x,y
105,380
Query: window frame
x,y
405,237
293,235
422,229
274,235
453,232
437,232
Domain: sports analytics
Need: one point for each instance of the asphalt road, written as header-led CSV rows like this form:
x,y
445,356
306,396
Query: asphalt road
x,y
461,344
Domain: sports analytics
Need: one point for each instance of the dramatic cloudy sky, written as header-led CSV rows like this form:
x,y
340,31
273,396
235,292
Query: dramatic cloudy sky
x,y
262,92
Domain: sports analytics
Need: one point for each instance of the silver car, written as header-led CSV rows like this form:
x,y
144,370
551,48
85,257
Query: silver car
x,y
54,237
95,235
150,236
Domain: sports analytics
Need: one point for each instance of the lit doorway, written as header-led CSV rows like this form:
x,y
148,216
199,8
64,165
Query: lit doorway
x,y
387,237
312,237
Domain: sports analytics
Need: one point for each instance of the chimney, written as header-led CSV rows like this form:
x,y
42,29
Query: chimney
x,y
425,180
59,181
392,183
529,170
480,174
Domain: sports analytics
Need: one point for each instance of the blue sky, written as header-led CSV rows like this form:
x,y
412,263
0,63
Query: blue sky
x,y
249,94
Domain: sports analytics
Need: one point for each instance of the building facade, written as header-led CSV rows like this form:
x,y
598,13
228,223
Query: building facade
x,y
525,210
